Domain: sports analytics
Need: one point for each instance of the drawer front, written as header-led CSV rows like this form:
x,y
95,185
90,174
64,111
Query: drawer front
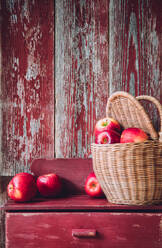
x,y
81,230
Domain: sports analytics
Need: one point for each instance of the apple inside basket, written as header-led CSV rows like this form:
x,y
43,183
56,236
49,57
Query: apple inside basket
x,y
130,171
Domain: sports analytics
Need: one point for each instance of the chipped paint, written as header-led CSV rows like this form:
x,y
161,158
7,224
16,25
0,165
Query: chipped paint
x,y
134,57
1,115
28,237
81,73
84,66
89,66
33,70
27,83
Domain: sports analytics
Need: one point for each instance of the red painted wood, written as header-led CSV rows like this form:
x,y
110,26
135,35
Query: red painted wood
x,y
27,37
135,49
82,86
99,48
114,230
77,202
81,73
73,172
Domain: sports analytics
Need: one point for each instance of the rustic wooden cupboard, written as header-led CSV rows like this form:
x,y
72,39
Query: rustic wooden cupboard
x,y
75,220
60,60
80,222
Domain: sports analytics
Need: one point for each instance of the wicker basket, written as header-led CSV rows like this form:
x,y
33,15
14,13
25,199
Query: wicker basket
x,y
130,173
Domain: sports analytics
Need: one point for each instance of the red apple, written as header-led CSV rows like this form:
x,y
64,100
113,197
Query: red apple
x,y
106,124
22,187
107,137
133,134
49,185
92,186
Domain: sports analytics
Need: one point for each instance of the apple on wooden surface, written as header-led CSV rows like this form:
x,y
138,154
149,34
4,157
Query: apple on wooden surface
x,y
107,137
22,187
106,124
133,134
49,185
92,186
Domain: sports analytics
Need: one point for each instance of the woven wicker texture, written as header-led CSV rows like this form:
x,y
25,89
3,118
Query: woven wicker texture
x,y
130,173
127,110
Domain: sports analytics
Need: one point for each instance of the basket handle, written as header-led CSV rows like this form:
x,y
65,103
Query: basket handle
x,y
158,106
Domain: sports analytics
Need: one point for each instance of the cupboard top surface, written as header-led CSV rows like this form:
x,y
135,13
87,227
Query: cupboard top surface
x,y
76,203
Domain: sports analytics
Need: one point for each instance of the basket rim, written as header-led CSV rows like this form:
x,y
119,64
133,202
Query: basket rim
x,y
146,142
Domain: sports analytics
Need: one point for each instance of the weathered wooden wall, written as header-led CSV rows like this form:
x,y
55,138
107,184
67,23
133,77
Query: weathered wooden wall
x,y
27,41
98,47
81,73
60,60
135,44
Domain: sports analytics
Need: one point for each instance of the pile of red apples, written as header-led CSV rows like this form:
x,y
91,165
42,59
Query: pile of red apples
x,y
24,186
109,131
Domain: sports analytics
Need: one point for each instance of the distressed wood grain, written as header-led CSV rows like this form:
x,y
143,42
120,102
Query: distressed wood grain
x,y
27,86
79,202
81,80
4,180
111,229
135,44
0,88
99,48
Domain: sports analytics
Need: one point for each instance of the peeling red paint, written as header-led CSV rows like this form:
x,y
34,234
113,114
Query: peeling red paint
x,y
83,63
138,29
100,47
27,82
135,49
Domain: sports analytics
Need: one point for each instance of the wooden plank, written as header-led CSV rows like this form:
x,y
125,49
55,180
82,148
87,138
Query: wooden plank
x,y
81,73
4,180
27,83
0,88
72,172
79,202
111,230
135,48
